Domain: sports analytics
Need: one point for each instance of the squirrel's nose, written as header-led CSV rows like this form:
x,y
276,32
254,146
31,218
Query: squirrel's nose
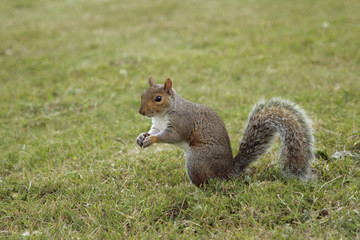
x,y
142,112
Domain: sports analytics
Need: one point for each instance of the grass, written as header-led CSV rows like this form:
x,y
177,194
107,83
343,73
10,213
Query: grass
x,y
72,73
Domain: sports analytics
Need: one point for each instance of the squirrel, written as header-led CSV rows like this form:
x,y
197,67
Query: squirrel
x,y
202,135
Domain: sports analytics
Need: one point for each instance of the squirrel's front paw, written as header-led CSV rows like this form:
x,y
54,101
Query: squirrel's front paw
x,y
147,142
140,139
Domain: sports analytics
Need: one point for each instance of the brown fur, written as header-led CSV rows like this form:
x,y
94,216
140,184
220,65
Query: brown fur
x,y
194,139
154,139
208,151
148,104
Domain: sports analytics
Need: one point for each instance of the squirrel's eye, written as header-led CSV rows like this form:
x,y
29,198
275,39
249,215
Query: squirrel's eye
x,y
158,98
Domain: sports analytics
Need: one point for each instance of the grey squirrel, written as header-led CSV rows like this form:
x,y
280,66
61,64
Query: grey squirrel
x,y
201,133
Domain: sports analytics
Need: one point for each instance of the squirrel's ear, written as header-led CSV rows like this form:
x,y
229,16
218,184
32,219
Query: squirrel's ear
x,y
168,86
151,82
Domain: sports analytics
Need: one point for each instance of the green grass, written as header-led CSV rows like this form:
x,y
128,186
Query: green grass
x,y
72,73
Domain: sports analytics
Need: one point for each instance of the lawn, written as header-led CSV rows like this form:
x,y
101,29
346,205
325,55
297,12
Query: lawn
x,y
72,73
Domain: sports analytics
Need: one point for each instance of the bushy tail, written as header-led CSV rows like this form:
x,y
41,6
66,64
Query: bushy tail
x,y
294,127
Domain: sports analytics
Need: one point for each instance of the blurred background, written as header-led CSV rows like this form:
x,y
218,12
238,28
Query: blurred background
x,y
73,69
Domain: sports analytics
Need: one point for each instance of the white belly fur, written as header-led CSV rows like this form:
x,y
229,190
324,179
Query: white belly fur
x,y
159,123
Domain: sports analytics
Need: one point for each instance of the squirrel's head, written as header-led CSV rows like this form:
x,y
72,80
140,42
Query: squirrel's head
x,y
157,98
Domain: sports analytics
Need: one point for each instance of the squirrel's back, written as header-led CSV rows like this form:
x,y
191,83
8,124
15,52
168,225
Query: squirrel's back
x,y
199,124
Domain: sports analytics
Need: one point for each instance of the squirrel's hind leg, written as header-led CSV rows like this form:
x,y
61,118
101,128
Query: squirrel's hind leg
x,y
205,164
